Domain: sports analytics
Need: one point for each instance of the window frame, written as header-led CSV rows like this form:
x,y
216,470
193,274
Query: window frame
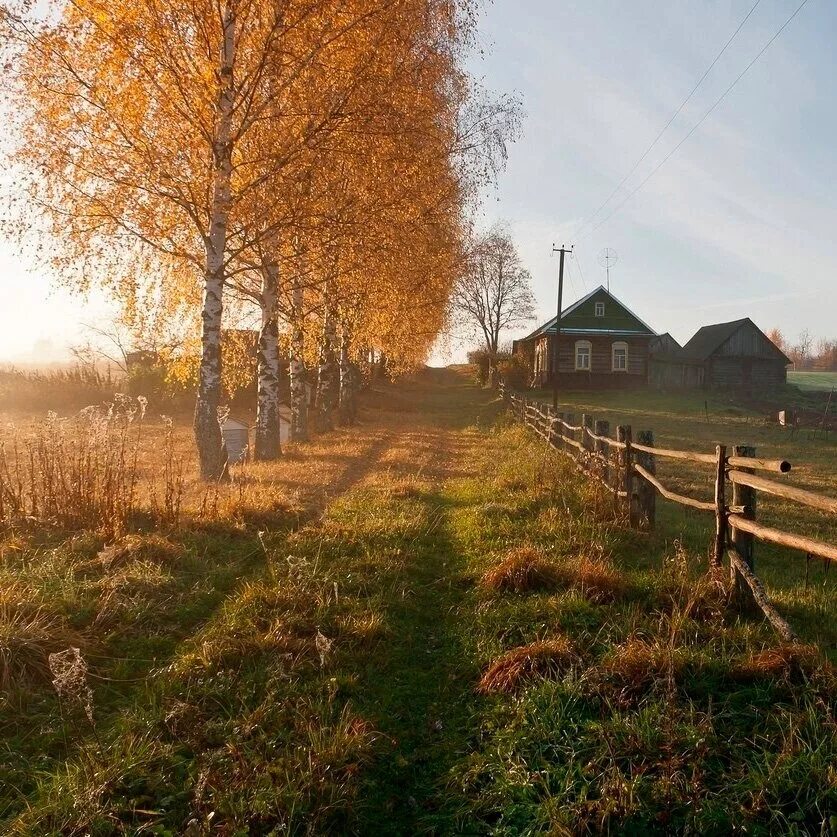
x,y
588,346
599,307
618,345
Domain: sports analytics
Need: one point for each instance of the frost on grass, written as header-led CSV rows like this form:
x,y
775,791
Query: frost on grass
x,y
69,677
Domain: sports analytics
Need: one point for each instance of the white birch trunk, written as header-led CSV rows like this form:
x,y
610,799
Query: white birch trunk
x,y
299,393
327,372
348,384
211,451
267,444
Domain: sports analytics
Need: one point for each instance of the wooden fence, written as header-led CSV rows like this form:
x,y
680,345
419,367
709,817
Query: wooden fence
x,y
626,467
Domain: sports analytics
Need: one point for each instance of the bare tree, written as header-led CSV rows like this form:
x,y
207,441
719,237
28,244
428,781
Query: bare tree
x,y
494,293
801,352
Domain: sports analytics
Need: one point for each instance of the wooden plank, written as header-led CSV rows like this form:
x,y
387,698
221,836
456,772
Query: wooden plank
x,y
700,505
689,456
781,466
788,492
717,557
760,598
780,538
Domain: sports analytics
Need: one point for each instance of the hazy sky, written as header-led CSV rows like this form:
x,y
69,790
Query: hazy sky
x,y
739,222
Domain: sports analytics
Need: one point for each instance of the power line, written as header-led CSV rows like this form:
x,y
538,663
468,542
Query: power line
x,y
577,261
701,120
668,124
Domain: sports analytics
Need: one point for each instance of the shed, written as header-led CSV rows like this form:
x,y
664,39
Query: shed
x,y
738,355
236,434
669,367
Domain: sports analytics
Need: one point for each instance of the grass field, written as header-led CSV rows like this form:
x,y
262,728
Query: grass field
x,y
821,381
429,625
693,421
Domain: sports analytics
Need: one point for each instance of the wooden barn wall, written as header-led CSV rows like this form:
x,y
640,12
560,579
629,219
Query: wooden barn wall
x,y
673,374
745,373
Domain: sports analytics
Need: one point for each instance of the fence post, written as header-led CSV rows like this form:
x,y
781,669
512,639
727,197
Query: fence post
x,y
742,542
646,493
602,428
720,507
559,430
570,434
625,484
586,441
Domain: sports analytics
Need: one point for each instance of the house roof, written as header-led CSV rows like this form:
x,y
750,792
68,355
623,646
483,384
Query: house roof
x,y
710,338
549,325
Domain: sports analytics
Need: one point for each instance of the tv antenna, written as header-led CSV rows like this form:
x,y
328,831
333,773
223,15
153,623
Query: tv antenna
x,y
607,258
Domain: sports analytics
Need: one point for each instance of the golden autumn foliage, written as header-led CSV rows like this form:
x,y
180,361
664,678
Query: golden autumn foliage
x,y
309,156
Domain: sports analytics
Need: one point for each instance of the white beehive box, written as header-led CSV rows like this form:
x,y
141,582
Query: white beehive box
x,y
236,435
284,422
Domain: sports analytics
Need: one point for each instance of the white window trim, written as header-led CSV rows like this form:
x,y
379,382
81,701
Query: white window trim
x,y
600,306
619,344
584,344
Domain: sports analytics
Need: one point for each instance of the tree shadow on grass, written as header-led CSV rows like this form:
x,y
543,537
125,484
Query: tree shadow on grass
x,y
417,687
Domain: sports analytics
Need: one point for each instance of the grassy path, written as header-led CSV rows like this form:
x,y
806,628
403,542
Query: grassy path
x,y
333,689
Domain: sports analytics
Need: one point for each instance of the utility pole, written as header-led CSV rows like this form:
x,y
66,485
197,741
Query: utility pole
x,y
556,354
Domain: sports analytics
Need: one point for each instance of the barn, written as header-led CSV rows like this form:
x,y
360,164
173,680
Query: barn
x,y
737,355
602,345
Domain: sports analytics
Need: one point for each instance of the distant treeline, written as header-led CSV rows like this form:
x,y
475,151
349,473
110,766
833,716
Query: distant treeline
x,y
807,353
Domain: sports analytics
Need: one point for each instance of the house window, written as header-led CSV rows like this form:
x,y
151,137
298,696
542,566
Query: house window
x,y
620,357
600,309
582,355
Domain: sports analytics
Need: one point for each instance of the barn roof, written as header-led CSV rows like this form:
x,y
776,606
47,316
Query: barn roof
x,y
709,338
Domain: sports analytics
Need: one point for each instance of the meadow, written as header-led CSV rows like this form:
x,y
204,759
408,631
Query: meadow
x,y
817,381
804,590
428,624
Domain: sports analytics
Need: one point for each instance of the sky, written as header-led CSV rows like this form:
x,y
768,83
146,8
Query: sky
x,y
739,222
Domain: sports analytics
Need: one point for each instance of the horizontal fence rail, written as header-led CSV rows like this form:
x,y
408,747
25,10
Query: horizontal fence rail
x,y
627,469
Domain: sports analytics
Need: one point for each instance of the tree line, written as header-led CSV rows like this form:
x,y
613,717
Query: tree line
x,y
805,352
316,160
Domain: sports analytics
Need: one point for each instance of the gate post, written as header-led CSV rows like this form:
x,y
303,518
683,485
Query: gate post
x,y
646,493
742,542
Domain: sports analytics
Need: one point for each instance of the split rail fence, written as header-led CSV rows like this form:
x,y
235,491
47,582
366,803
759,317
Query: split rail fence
x,y
626,467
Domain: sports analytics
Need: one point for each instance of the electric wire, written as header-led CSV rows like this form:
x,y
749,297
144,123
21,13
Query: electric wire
x,y
700,121
674,116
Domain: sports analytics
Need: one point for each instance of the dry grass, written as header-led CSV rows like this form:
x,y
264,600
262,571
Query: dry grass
x,y
528,568
29,633
637,667
794,662
542,660
152,548
595,578
522,569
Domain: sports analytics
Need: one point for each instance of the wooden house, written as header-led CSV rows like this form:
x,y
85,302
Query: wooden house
x,y
602,345
737,355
